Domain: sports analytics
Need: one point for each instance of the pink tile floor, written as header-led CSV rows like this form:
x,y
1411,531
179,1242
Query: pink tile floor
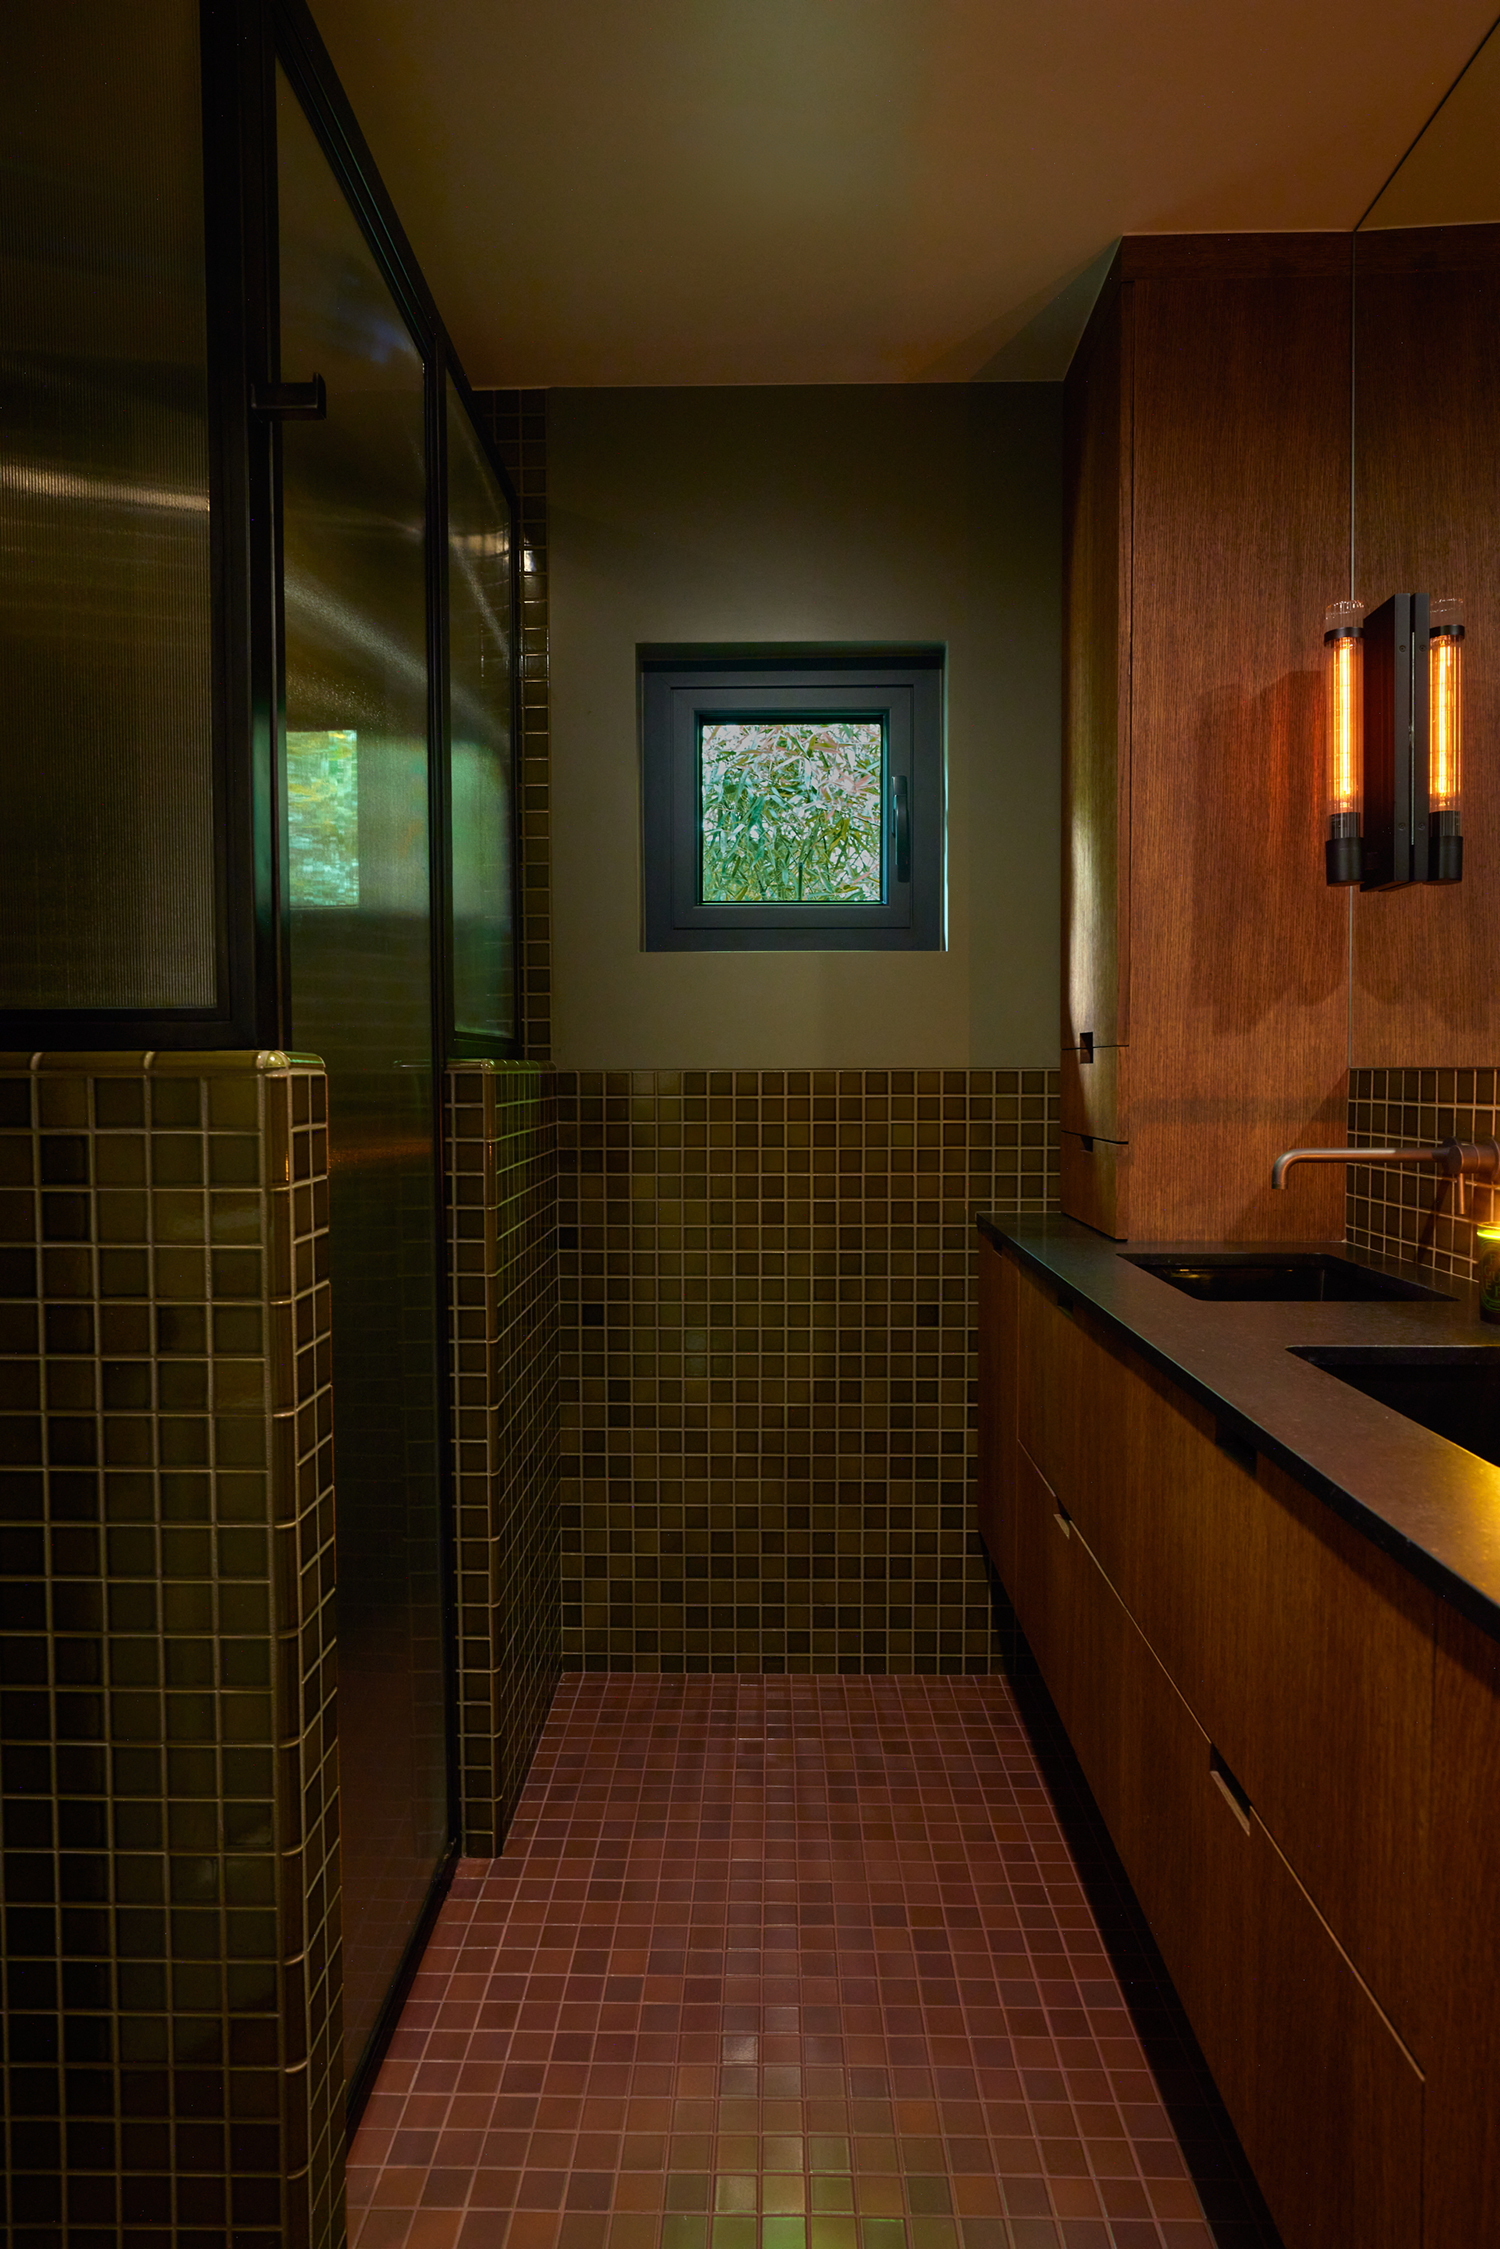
x,y
772,1963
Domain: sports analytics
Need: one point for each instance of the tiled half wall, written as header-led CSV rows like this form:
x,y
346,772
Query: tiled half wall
x,y
767,1334
168,1764
1390,1206
502,1154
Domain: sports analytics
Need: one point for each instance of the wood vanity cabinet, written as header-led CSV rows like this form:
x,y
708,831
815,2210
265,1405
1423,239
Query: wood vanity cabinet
x,y
1296,1748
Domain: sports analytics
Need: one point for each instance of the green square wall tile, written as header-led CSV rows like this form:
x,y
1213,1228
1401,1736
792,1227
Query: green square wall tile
x,y
167,1547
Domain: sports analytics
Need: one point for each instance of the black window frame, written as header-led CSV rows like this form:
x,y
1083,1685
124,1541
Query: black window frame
x,y
681,688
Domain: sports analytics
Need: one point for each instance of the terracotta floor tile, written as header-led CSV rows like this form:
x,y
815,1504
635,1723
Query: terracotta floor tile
x,y
378,2229
774,1963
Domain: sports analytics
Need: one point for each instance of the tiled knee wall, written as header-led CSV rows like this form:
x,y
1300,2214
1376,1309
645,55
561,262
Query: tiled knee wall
x,y
768,1326
1390,1206
502,1141
168,1762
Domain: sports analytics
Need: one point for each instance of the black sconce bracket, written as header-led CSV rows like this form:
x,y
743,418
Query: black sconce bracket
x,y
1395,777
1401,839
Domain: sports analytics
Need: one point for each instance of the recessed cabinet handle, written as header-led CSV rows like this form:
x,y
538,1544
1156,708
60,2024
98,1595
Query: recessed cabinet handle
x,y
1229,1788
1063,1520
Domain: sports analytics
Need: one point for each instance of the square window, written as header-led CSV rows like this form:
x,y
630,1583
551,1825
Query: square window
x,y
793,800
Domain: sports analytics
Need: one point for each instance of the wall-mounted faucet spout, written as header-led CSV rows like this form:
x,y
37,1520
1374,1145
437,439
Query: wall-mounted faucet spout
x,y
1466,1159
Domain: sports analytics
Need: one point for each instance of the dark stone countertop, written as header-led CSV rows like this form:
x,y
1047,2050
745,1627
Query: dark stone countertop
x,y
1431,1505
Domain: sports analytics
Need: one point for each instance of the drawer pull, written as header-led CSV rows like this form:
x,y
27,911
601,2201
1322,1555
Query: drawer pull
x,y
1063,1520
1229,1788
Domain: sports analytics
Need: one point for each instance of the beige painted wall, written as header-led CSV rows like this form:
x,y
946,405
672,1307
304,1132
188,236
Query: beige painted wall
x,y
922,513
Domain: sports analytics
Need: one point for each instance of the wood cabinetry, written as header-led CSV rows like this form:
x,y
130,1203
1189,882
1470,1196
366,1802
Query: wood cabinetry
x,y
1461,2032
1249,1687
1206,527
1304,1652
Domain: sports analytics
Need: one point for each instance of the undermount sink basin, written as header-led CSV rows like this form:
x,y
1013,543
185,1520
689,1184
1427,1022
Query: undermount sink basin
x,y
1274,1277
1452,1390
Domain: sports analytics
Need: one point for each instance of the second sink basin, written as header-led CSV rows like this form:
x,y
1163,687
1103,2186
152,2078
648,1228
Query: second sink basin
x,y
1277,1277
1452,1390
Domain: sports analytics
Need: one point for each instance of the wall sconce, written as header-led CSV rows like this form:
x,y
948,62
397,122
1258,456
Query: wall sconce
x,y
1445,843
1344,709
1393,692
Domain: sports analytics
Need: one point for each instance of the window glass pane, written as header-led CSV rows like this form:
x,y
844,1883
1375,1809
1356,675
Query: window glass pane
x,y
479,667
792,809
106,788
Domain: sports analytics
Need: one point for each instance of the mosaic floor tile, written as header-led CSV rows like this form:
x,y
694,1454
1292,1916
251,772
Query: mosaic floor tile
x,y
773,1963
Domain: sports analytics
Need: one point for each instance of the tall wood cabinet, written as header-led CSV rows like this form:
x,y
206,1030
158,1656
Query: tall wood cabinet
x,y
1206,529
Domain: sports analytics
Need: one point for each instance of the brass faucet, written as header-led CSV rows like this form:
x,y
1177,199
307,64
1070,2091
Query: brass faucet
x,y
1457,1159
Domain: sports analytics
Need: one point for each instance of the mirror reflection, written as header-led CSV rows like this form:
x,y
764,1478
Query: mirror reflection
x,y
1451,176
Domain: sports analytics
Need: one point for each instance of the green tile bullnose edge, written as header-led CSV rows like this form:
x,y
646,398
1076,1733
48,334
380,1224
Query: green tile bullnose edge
x,y
160,1062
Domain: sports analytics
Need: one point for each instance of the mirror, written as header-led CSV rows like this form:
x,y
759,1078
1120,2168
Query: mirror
x,y
1426,516
1451,174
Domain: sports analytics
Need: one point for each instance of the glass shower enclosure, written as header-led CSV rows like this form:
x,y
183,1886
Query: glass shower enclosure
x,y
259,603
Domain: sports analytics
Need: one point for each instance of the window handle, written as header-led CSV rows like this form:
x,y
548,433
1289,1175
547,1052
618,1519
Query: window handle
x,y
901,827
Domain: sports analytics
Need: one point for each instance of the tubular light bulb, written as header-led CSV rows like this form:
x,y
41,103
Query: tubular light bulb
x,y
1344,714
1444,779
1445,739
1343,786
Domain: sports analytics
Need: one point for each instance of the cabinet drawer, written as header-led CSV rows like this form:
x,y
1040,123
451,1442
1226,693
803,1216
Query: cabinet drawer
x,y
1094,1183
1043,1583
1094,1092
1305,1655
1302,1651
1461,2032
1323,2096
1072,1403
1073,1633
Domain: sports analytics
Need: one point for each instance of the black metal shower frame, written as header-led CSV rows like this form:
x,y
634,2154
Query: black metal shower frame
x,y
242,41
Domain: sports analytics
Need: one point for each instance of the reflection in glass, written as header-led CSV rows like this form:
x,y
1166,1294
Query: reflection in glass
x,y
792,809
480,543
322,817
106,799
355,796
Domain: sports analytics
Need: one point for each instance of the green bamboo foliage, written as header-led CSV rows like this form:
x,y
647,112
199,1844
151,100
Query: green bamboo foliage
x,y
792,810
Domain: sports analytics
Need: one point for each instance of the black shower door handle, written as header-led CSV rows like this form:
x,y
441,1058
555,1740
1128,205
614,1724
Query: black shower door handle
x,y
290,402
